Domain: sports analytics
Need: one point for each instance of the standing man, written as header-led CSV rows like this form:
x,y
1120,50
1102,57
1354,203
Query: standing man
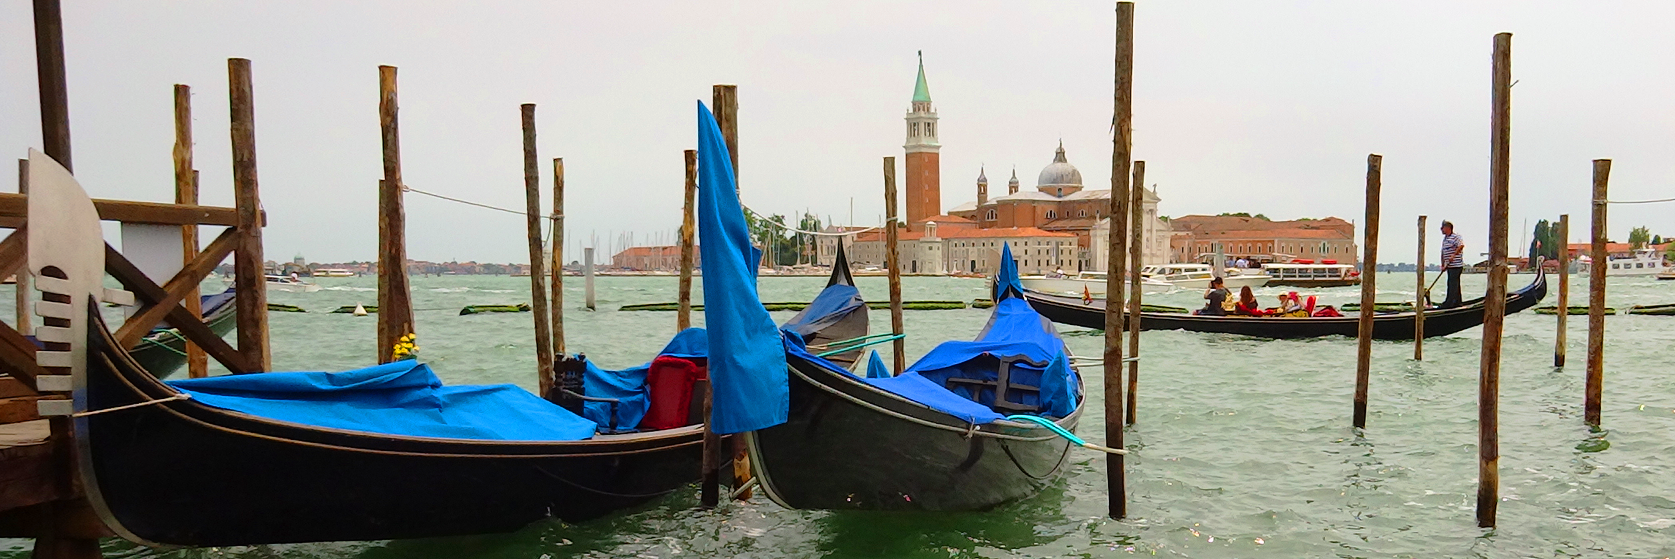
x,y
1453,263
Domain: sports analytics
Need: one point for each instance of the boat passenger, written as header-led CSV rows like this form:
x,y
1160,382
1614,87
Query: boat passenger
x,y
1248,306
1217,297
1291,306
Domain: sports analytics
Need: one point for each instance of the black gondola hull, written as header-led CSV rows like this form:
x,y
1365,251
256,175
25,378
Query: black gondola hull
x,y
837,454
182,473
1389,326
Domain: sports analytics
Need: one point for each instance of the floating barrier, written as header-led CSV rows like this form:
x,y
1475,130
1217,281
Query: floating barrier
x,y
1573,310
795,306
477,309
1653,310
278,307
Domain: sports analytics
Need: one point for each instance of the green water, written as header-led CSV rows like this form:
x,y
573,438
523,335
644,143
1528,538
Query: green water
x,y
1243,447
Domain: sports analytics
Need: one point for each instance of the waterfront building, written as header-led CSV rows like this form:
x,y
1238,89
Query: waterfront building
x,y
664,258
1263,240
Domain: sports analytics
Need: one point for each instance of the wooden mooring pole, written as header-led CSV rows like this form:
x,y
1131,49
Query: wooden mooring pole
x,y
1595,389
186,192
1369,290
537,272
892,263
1136,257
25,318
587,278
557,224
1559,339
683,319
1122,146
1494,308
1419,297
724,105
395,305
250,279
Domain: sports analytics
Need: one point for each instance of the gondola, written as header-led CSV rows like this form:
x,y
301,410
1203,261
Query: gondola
x,y
163,351
272,458
1386,326
934,438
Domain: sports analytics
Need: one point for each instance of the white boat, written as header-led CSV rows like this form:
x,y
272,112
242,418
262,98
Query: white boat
x,y
1644,262
1306,273
290,285
1092,282
1198,276
333,273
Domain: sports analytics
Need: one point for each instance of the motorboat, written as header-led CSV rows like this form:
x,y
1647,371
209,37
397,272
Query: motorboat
x,y
1088,283
290,285
1307,273
1642,262
1198,276
333,273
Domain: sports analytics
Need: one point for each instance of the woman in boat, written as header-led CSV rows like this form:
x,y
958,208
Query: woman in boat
x,y
1217,297
1248,306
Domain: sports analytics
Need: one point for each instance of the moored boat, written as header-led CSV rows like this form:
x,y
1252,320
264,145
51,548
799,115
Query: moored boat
x,y
1306,273
163,351
1198,276
290,285
1091,283
1386,326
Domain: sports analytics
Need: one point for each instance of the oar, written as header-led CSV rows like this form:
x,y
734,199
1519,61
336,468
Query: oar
x,y
1066,434
1427,293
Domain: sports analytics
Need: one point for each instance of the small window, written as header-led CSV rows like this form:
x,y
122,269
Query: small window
x,y
990,216
1052,214
1083,213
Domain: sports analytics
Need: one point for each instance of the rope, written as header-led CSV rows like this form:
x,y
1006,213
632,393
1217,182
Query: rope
x,y
1062,432
180,396
753,482
164,345
783,226
910,419
1634,201
405,188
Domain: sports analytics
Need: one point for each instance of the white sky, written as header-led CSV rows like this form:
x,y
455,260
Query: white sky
x,y
1265,107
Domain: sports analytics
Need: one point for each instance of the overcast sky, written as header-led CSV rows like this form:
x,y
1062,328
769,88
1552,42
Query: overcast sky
x,y
1263,107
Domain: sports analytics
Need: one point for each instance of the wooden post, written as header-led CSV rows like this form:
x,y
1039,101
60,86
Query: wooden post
x,y
250,279
537,276
1596,298
557,224
587,277
1494,308
1419,297
683,319
1369,290
1136,256
724,104
1559,340
186,192
25,319
49,74
892,265
1122,145
395,305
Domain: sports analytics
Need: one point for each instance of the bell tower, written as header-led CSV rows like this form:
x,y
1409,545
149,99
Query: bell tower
x,y
924,174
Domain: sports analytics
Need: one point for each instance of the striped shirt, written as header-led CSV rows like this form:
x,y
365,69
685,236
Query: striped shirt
x,y
1451,243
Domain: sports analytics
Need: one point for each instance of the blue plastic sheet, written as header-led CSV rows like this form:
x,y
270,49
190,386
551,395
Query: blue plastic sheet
x,y
402,398
833,304
629,385
747,365
910,386
876,367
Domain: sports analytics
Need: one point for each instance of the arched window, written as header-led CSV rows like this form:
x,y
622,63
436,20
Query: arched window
x,y
1052,214
990,216
915,128
1083,213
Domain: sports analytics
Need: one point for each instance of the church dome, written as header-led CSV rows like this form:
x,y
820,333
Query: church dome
x,y
1059,173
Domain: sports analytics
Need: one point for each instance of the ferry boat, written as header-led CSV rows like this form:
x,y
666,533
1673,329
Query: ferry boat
x,y
333,273
1644,262
1306,273
1198,276
1090,283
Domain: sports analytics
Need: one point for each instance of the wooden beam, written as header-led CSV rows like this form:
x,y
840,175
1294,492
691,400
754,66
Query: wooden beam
x,y
1559,340
15,207
186,193
11,387
1369,290
144,289
1136,254
1122,153
892,265
177,290
1494,307
395,304
683,318
249,280
724,104
537,276
25,319
17,358
557,223
14,252
1594,388
1419,298
50,78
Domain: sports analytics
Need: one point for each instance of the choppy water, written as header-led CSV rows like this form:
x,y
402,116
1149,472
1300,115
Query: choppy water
x,y
1243,448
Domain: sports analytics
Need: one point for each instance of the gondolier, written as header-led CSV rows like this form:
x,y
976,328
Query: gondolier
x,y
1453,263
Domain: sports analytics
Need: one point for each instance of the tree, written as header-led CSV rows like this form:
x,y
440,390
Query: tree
x,y
1261,217
1227,214
1638,237
1657,239
1540,240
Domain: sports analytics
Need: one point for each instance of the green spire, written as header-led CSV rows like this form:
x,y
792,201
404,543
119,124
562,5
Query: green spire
x,y
921,92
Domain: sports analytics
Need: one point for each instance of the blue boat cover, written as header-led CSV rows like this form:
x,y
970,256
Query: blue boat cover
x,y
629,385
910,386
402,398
833,304
747,365
876,367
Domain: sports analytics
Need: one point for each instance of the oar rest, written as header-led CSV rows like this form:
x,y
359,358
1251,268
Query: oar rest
x,y
570,392
1002,385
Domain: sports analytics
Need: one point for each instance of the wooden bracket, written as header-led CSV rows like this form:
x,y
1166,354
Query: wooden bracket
x,y
154,297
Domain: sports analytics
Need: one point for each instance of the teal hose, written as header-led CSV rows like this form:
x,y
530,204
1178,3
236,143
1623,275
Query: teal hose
x,y
1060,431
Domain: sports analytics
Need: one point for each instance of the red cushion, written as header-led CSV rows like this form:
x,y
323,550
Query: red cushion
x,y
669,385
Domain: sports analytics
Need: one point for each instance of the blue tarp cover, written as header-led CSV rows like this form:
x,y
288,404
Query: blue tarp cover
x,y
746,366
876,367
629,385
833,303
401,398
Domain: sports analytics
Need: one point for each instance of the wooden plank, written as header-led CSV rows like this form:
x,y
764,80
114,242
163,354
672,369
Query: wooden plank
x,y
17,358
1559,340
145,290
683,318
16,206
177,290
1494,308
19,409
1136,254
1369,291
249,277
14,251
537,275
1594,389
10,387
25,321
50,78
1122,152
27,472
394,292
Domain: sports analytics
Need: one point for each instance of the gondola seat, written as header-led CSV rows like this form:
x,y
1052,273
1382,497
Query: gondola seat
x,y
672,387
996,391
